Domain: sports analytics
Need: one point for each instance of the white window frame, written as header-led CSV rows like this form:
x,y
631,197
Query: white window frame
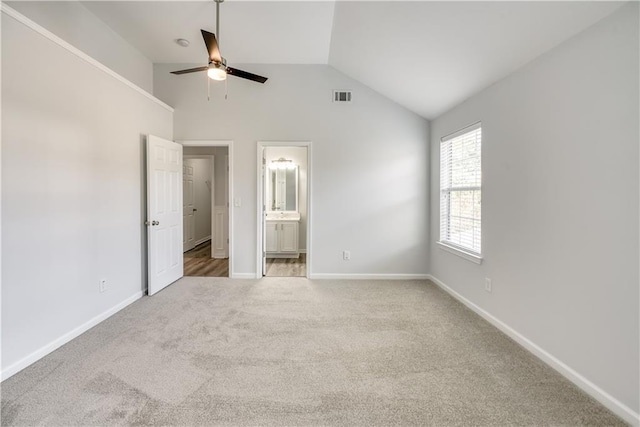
x,y
449,246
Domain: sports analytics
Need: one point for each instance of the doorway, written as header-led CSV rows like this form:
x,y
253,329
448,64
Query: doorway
x,y
206,208
284,208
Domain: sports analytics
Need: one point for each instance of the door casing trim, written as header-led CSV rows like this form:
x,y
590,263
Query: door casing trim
x,y
221,143
261,145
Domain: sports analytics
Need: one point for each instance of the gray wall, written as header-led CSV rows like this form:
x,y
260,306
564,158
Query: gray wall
x,y
369,161
560,203
73,22
72,192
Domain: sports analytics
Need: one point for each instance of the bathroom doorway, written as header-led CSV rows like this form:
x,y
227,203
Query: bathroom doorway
x,y
284,226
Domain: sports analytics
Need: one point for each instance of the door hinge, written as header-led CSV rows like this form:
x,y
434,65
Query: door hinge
x,y
264,161
227,241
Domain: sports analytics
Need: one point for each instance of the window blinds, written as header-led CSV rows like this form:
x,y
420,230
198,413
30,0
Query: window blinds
x,y
460,189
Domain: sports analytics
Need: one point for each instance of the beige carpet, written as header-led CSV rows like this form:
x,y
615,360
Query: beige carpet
x,y
290,351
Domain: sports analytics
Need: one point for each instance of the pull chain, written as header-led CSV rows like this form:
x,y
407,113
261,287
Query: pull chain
x,y
226,89
208,89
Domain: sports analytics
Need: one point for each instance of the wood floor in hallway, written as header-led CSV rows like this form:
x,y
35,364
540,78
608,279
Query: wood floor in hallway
x,y
198,262
287,267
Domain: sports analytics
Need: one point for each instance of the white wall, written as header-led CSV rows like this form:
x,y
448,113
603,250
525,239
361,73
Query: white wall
x,y
203,183
221,184
72,193
73,22
369,183
221,176
299,157
560,203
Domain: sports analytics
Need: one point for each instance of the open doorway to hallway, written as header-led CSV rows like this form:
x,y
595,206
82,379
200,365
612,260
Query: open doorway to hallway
x,y
206,211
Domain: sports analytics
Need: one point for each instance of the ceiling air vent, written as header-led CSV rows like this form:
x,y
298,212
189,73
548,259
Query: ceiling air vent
x,y
342,96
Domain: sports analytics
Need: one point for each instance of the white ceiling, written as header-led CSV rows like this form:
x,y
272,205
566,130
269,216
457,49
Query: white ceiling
x,y
425,55
250,32
430,56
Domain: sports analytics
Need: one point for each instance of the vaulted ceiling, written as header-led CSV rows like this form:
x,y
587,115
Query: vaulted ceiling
x,y
250,32
425,55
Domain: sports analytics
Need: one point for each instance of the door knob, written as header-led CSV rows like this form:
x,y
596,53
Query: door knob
x,y
195,210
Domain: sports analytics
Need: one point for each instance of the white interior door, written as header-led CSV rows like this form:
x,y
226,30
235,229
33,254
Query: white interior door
x,y
188,207
263,186
164,216
226,203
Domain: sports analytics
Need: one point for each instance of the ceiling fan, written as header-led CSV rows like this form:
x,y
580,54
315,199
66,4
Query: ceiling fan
x,y
217,68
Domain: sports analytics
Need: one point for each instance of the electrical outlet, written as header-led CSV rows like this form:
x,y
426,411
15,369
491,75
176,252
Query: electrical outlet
x,y
346,255
103,285
487,284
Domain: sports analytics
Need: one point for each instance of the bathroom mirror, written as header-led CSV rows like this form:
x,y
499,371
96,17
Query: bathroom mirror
x,y
282,186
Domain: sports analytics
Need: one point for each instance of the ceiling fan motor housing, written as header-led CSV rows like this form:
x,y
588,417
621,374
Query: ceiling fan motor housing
x,y
215,64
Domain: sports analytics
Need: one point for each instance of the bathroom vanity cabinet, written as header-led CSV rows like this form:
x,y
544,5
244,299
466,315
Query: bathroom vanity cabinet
x,y
282,238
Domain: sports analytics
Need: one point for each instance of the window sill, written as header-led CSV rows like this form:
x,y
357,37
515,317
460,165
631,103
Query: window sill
x,y
461,253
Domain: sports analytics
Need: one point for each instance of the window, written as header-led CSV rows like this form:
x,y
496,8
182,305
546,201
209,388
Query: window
x,y
460,190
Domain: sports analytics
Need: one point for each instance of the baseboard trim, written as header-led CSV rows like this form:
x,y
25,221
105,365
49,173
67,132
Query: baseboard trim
x,y
242,276
611,403
201,241
369,276
59,342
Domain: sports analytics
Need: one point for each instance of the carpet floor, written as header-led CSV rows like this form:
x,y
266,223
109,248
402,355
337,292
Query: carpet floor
x,y
292,351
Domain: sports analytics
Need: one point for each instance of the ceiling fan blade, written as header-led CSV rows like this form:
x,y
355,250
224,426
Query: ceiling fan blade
x,y
191,70
212,46
246,75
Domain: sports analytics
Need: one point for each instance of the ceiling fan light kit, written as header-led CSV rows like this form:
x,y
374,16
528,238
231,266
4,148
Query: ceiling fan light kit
x,y
217,68
217,74
217,71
